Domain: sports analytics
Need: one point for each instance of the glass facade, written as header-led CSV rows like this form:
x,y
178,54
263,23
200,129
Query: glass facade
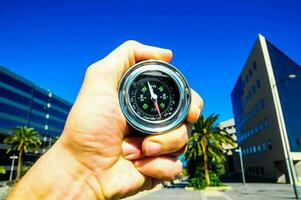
x,y
237,104
24,104
289,94
255,111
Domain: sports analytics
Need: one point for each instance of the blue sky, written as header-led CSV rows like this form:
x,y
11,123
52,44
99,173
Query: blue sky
x,y
52,42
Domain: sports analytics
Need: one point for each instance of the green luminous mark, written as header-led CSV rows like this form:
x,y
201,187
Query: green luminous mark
x,y
162,105
144,89
145,106
161,88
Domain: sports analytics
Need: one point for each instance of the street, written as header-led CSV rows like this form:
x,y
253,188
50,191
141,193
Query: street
x,y
252,191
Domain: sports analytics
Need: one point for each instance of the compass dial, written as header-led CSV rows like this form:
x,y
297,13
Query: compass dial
x,y
154,96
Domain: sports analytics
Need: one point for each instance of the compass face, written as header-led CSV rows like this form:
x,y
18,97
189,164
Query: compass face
x,y
154,96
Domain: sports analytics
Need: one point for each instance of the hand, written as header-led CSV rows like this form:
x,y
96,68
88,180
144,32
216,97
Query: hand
x,y
94,158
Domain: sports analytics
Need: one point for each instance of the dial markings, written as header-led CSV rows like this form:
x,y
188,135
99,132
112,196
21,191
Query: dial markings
x,y
154,98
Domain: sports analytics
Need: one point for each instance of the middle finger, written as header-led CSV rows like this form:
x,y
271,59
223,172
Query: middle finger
x,y
166,143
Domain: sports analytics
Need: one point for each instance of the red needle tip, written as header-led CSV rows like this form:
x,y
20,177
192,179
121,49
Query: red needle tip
x,y
158,109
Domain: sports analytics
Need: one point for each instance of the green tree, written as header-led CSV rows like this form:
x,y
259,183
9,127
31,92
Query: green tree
x,y
206,146
2,170
22,139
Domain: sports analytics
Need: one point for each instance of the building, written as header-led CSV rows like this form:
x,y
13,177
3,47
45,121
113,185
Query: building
x,y
267,105
22,103
229,127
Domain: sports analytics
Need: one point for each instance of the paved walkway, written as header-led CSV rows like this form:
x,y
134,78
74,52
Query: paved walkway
x,y
252,191
174,194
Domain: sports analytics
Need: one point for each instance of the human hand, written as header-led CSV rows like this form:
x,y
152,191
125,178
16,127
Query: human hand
x,y
95,149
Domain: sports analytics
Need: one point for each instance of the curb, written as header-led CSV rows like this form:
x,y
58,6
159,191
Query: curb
x,y
219,188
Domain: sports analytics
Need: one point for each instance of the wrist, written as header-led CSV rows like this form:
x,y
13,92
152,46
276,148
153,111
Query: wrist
x,y
58,175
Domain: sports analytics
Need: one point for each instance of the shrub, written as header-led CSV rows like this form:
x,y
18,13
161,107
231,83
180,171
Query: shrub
x,y
214,180
198,183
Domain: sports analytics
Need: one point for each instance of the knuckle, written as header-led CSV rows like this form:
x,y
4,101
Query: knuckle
x,y
201,104
198,100
182,137
94,68
177,169
131,43
90,70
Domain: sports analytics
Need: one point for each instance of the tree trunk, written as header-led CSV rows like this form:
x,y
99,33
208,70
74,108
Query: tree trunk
x,y
206,170
19,165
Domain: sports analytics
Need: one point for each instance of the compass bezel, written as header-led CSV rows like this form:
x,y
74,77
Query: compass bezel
x,y
158,126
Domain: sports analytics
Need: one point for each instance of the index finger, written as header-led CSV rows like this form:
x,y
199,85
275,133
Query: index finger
x,y
123,57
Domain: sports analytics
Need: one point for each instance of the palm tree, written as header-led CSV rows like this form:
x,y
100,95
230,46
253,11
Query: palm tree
x,y
22,139
2,170
206,142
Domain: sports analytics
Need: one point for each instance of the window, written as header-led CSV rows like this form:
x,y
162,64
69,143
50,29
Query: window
x,y
254,65
262,170
263,146
9,124
247,79
13,111
266,123
258,83
41,96
15,83
253,89
14,96
248,116
298,142
57,114
253,111
60,104
250,94
37,119
254,149
257,170
255,128
257,107
251,131
250,72
38,106
270,145
262,103
259,147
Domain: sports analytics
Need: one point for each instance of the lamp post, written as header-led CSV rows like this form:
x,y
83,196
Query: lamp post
x,y
241,166
13,157
289,161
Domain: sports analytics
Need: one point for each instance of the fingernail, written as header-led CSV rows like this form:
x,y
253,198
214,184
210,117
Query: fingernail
x,y
153,148
129,151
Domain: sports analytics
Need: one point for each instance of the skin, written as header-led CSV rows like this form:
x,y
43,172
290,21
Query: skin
x,y
94,158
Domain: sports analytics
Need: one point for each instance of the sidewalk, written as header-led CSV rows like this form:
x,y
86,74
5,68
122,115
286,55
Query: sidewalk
x,y
174,194
251,191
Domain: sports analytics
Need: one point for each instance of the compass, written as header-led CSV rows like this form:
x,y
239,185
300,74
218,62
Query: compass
x,y
154,96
